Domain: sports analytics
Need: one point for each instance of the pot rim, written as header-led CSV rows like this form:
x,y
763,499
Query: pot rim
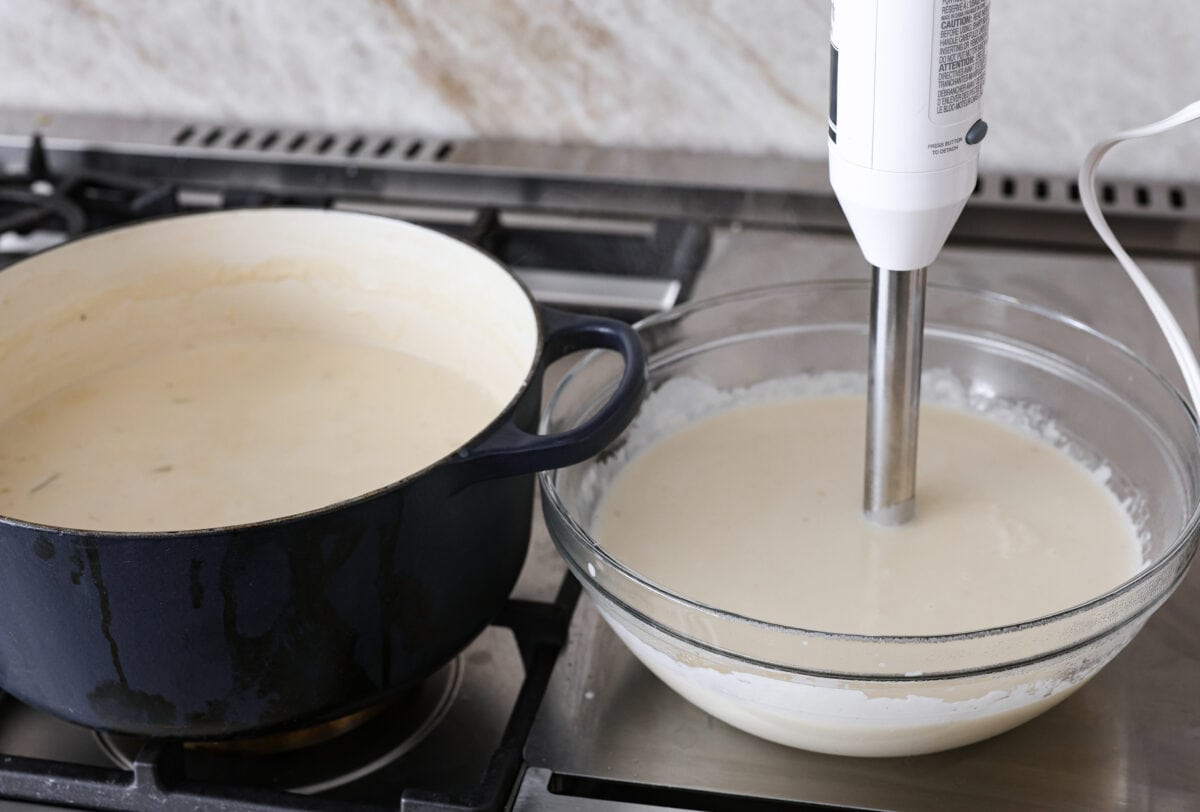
x,y
550,494
280,521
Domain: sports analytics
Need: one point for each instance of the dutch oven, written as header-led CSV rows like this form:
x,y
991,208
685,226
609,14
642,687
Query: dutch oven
x,y
286,620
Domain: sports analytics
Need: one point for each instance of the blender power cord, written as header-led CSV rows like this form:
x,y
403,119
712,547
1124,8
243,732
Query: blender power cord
x,y
1178,342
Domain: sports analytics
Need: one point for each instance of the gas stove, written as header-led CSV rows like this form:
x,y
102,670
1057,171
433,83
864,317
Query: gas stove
x,y
546,709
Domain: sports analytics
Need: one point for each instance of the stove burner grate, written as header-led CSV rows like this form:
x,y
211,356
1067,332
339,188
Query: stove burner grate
x,y
316,759
39,200
622,267
159,779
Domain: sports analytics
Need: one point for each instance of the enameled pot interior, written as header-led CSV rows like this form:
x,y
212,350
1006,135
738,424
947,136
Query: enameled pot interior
x,y
110,299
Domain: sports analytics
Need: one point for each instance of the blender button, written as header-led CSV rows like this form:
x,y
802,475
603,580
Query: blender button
x,y
976,133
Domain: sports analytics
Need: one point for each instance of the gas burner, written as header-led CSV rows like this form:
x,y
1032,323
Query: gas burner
x,y
25,209
318,758
40,207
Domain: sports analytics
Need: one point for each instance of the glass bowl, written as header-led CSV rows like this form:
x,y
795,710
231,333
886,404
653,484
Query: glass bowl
x,y
890,695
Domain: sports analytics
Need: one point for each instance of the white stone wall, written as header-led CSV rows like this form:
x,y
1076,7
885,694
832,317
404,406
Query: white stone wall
x,y
742,75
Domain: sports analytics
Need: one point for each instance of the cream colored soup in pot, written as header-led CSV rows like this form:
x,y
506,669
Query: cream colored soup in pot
x,y
232,430
756,511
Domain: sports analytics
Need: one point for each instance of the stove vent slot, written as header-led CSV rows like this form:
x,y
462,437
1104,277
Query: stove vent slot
x,y
212,137
1062,193
356,146
385,147
325,144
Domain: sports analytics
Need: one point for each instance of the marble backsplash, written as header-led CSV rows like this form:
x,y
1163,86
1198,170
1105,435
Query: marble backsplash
x,y
739,75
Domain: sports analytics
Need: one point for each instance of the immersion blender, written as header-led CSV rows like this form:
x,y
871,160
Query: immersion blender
x,y
906,78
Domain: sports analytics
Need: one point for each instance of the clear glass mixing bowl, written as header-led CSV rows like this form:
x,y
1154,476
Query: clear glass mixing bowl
x,y
894,695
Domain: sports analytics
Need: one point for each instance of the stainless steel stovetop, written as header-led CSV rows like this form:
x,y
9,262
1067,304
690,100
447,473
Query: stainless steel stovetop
x,y
1130,739
605,734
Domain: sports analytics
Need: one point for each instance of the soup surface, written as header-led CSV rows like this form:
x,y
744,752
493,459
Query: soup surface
x,y
237,430
757,511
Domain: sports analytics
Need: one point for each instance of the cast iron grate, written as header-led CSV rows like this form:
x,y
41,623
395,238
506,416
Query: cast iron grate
x,y
40,207
37,199
158,780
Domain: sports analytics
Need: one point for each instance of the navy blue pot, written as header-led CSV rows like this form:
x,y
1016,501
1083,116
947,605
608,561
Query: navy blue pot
x,y
224,632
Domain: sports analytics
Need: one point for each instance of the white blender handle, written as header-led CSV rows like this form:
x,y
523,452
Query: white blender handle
x,y
904,132
904,121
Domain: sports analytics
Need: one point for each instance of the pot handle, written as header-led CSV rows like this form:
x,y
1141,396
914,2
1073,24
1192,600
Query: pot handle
x,y
511,451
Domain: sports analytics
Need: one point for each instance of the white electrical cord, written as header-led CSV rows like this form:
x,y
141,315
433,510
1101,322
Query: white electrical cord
x,y
1178,342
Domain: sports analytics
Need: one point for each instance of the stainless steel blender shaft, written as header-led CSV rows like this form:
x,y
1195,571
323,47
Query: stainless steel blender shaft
x,y
893,395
